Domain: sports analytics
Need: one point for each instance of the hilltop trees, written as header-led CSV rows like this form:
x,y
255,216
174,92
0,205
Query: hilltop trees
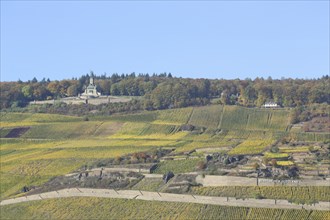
x,y
73,89
165,91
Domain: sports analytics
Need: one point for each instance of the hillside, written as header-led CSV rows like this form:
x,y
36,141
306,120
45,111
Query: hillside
x,y
36,148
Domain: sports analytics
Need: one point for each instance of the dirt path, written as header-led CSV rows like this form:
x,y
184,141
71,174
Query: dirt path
x,y
166,197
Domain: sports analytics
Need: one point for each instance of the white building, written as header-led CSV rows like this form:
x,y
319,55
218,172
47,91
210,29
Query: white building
x,y
271,105
91,90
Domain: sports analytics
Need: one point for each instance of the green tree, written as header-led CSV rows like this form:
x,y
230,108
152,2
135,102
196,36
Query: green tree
x,y
114,89
73,90
27,91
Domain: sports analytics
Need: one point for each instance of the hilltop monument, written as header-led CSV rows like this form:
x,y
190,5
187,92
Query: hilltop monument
x,y
91,91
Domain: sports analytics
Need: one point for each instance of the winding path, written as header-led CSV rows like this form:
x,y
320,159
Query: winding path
x,y
166,197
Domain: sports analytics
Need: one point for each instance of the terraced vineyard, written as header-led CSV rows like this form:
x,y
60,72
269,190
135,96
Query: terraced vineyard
x,y
55,145
251,147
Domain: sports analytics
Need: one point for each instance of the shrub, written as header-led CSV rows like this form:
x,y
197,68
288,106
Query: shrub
x,y
201,165
274,162
274,149
258,196
256,166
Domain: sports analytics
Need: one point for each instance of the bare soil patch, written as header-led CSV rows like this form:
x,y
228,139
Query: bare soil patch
x,y
107,129
317,124
17,132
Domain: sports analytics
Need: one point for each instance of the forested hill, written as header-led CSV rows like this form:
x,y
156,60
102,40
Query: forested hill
x,y
164,91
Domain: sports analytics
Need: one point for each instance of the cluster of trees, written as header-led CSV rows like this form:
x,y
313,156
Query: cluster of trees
x,y
164,91
83,109
306,113
177,93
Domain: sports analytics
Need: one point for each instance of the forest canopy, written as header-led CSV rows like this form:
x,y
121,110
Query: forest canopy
x,y
162,91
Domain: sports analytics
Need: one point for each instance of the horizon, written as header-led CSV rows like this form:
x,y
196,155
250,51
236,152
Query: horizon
x,y
173,75
193,39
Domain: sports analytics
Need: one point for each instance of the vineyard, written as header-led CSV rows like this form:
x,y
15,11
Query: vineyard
x,y
55,145
218,145
302,194
294,149
311,136
276,155
103,208
285,163
251,147
149,184
210,120
235,117
58,131
174,116
25,119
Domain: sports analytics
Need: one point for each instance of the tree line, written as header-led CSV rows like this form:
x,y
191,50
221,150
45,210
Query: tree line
x,y
163,91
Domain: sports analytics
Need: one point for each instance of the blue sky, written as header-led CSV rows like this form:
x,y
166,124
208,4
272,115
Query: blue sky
x,y
214,39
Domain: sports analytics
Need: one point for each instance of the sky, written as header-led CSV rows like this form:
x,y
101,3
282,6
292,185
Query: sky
x,y
196,39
